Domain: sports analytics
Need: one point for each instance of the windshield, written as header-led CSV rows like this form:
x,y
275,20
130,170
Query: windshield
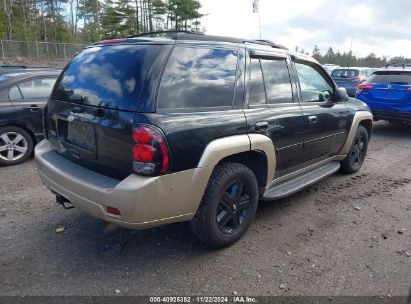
x,y
107,76
344,73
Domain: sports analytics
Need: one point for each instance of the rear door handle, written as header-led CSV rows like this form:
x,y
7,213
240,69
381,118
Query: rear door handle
x,y
261,126
312,119
34,108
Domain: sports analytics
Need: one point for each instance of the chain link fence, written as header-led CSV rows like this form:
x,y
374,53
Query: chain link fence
x,y
11,49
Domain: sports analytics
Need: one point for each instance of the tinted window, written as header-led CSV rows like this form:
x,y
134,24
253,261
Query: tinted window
x,y
314,87
107,76
390,77
256,94
14,93
277,81
198,77
345,73
36,88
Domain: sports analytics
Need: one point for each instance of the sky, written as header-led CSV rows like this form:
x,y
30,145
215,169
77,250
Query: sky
x,y
379,26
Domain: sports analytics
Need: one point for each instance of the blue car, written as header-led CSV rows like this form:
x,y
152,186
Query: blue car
x,y
388,93
350,78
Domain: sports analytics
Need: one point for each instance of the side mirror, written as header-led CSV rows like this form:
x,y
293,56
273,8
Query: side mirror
x,y
340,94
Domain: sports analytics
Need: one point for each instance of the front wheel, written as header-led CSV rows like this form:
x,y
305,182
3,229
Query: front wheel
x,y
355,158
228,205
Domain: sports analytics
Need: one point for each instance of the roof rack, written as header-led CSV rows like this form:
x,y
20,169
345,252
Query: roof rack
x,y
190,35
22,67
13,67
397,65
154,33
267,42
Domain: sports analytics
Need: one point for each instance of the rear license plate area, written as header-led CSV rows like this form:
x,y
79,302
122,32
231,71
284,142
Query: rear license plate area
x,y
78,137
80,134
389,95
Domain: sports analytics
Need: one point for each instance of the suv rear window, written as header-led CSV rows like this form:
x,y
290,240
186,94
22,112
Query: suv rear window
x,y
344,73
109,76
390,77
198,77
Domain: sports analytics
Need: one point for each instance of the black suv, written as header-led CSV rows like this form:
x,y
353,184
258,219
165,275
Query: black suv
x,y
147,131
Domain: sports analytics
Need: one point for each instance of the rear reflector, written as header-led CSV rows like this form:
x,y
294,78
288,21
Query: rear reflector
x,y
113,211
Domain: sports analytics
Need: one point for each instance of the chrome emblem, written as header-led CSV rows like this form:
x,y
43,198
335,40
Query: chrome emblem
x,y
389,86
71,118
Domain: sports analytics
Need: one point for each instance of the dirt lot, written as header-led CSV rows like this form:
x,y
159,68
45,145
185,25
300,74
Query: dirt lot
x,y
348,235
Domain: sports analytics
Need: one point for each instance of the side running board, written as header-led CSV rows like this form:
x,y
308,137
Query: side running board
x,y
295,184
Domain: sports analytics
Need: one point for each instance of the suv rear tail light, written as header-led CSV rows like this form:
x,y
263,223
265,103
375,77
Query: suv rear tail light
x,y
150,152
358,79
363,87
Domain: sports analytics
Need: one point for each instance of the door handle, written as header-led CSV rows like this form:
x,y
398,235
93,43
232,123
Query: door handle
x,y
261,126
34,108
312,119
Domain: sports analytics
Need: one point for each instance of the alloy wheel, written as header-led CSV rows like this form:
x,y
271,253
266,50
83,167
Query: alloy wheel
x,y
358,151
13,146
233,207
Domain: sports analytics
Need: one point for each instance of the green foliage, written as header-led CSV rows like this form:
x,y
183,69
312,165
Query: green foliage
x,y
347,59
316,53
85,21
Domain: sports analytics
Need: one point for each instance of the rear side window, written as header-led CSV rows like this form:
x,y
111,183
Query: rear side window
x,y
345,73
256,94
198,77
38,88
390,77
277,81
109,76
14,93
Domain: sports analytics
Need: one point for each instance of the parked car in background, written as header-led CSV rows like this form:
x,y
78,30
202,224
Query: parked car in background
x,y
350,78
8,69
218,124
330,67
22,98
388,93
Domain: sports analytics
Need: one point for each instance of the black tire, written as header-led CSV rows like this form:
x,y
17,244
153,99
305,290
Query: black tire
x,y
356,156
15,142
231,197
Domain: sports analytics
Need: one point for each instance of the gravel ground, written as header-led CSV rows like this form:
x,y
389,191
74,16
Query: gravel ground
x,y
347,235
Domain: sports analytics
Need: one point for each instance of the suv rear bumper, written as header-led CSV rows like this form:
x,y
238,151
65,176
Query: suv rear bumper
x,y
391,115
143,201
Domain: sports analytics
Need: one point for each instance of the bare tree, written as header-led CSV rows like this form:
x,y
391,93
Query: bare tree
x,y
8,10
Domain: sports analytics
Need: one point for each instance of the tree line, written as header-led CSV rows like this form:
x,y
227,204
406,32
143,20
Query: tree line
x,y
85,21
348,59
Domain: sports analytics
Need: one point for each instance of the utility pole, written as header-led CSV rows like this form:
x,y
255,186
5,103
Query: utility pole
x,y
256,9
349,54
